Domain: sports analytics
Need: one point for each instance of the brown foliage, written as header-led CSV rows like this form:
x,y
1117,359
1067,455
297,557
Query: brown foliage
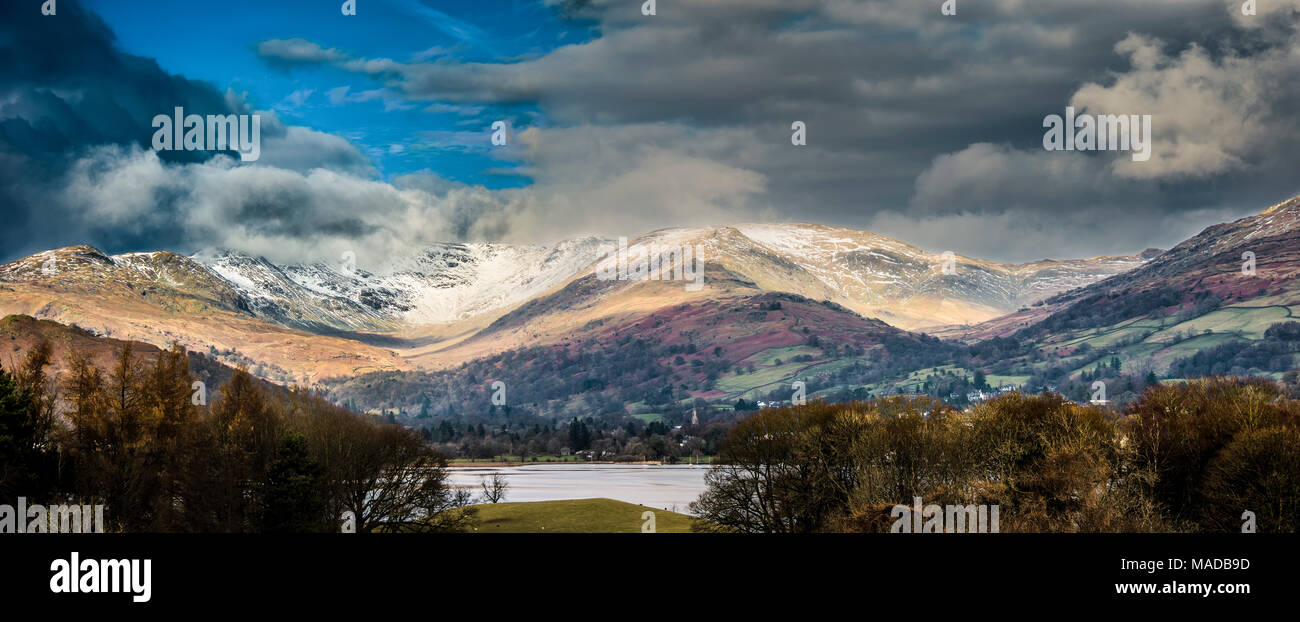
x,y
138,440
1178,430
1186,457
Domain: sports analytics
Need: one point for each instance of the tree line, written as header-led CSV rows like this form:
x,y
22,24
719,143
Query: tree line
x,y
1183,457
616,438
142,439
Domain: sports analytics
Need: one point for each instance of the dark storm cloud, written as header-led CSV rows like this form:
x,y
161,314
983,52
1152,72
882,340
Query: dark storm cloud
x,y
65,87
66,91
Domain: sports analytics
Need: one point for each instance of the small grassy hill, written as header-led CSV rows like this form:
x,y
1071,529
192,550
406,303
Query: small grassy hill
x,y
576,516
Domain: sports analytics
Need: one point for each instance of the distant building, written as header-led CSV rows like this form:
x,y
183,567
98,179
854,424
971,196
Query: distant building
x,y
379,412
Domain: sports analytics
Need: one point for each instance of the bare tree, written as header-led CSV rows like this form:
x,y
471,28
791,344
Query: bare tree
x,y
494,488
386,476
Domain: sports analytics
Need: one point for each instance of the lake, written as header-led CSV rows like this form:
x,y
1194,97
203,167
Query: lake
x,y
669,487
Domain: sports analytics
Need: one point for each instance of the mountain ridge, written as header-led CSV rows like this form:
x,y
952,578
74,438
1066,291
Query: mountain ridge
x,y
445,303
846,310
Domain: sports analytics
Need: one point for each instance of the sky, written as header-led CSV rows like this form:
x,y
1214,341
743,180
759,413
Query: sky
x,y
376,127
394,133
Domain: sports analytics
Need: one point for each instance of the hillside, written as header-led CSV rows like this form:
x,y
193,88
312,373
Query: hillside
x,y
1194,296
741,344
903,285
613,346
20,333
1191,311
441,284
449,283
839,309
443,305
164,298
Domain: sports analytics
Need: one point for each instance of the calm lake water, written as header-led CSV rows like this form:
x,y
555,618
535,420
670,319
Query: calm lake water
x,y
654,486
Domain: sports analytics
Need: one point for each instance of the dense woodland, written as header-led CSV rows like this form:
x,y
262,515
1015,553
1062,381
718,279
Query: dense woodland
x,y
1184,457
500,435
142,439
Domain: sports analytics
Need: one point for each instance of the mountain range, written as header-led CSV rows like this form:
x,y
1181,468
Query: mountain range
x,y
778,301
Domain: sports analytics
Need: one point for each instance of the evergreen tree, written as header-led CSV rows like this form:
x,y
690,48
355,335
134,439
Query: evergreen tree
x,y
579,435
294,495
17,433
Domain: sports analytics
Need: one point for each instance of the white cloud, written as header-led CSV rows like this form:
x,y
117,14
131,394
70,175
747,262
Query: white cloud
x,y
1209,115
297,51
297,98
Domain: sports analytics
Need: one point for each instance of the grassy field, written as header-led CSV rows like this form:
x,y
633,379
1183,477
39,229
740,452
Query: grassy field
x,y
771,377
768,357
576,516
1250,322
996,381
762,377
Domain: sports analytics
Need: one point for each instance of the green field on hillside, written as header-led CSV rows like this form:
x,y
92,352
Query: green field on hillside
x,y
576,516
1107,337
785,353
1160,351
764,379
771,377
1248,321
